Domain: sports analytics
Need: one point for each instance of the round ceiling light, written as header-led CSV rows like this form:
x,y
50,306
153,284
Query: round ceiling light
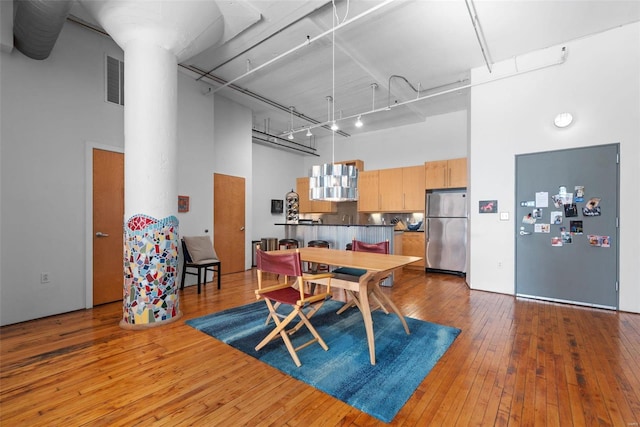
x,y
563,120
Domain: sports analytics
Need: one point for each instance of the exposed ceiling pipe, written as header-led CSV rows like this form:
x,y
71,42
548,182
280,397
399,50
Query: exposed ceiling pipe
x,y
270,139
202,73
289,25
254,95
479,33
403,78
37,25
306,43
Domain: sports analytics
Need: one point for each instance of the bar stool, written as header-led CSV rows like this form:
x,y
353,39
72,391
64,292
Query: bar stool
x,y
312,266
288,244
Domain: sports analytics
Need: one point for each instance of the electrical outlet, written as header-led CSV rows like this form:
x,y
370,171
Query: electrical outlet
x,y
44,278
499,264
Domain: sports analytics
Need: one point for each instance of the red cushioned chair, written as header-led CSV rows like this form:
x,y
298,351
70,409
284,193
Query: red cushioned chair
x,y
353,274
292,293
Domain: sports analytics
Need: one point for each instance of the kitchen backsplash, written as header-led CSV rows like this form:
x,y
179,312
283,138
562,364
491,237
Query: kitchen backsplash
x,y
348,214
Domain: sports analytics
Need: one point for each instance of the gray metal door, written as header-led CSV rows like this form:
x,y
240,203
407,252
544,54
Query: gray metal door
x,y
566,225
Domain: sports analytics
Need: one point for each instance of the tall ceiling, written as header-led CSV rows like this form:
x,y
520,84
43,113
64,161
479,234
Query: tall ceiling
x,y
278,54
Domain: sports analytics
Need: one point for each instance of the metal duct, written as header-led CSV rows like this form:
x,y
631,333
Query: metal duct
x,y
37,25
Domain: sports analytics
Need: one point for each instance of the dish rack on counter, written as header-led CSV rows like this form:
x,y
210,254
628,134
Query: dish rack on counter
x,y
292,205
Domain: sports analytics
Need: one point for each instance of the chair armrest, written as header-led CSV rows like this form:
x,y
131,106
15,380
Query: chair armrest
x,y
314,298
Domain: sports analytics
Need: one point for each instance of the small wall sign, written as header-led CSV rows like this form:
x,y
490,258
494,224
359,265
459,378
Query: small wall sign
x,y
488,206
183,203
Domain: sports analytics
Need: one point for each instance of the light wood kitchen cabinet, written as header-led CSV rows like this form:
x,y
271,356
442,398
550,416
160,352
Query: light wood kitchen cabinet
x,y
402,189
446,173
413,189
312,206
359,164
368,192
413,244
391,190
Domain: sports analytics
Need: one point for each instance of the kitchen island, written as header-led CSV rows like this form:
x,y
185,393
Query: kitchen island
x,y
339,235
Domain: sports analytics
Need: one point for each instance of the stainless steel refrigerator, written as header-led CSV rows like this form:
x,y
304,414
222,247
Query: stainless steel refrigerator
x,y
446,228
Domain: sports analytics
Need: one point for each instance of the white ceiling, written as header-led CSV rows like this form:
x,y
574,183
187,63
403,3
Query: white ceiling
x,y
431,44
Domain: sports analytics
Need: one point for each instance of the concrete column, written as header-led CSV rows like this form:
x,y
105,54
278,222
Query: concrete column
x,y
151,187
155,36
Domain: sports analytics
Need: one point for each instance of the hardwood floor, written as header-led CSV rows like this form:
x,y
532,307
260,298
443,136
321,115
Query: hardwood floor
x,y
516,362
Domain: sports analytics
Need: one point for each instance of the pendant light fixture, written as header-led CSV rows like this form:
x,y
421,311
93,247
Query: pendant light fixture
x,y
330,181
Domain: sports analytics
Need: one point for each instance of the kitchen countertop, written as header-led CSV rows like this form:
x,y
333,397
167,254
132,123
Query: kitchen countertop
x,y
338,225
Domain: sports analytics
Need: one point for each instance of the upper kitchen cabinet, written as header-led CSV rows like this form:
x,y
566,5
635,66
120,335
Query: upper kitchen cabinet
x,y
358,164
368,191
413,189
391,190
312,206
446,173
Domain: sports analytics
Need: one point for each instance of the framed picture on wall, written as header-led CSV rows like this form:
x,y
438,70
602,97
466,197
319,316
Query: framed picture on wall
x,y
183,203
277,206
488,206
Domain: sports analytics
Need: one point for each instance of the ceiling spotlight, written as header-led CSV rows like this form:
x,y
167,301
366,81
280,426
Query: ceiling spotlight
x,y
359,122
290,135
334,126
563,120
309,132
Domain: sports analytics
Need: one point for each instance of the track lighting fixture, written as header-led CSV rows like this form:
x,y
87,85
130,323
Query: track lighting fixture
x,y
359,122
334,126
309,132
291,125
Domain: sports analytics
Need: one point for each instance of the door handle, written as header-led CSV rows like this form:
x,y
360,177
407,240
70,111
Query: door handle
x,y
524,233
101,234
241,228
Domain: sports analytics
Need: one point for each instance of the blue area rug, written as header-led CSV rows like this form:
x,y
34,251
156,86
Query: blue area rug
x,y
381,390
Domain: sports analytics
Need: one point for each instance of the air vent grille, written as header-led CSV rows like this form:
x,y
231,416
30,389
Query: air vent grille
x,y
114,85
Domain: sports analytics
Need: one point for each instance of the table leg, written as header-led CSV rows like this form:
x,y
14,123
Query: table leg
x,y
365,309
378,292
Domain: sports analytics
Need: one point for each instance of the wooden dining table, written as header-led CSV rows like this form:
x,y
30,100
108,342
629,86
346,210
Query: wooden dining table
x,y
377,267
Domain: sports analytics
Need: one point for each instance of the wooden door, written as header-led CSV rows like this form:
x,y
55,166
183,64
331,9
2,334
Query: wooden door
x,y
108,220
457,173
229,221
390,184
368,196
435,174
414,190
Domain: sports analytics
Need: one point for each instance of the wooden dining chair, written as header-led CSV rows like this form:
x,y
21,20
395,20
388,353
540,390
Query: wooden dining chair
x,y
198,253
291,293
354,274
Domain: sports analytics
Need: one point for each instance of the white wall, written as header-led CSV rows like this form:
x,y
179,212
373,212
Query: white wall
x,y
233,156
274,175
437,138
599,84
51,111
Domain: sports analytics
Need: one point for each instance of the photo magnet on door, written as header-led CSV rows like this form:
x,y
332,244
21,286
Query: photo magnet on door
x,y
592,208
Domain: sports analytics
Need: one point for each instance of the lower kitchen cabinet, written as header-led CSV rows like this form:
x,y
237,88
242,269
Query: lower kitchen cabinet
x,y
413,244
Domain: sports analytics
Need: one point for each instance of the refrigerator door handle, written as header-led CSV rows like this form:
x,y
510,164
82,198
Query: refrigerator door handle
x,y
428,228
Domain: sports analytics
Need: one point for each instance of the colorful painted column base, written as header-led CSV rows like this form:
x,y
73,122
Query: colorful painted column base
x,y
150,269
